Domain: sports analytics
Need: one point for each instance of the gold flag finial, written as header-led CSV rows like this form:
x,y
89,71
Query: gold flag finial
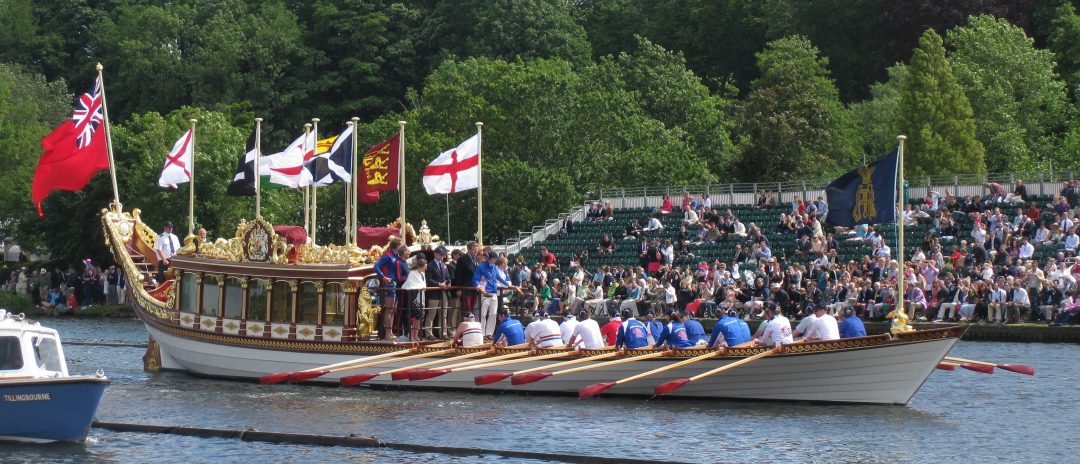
x,y
99,67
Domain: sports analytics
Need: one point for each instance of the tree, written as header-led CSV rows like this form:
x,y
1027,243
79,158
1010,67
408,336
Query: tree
x,y
1019,102
792,123
875,118
936,116
1064,41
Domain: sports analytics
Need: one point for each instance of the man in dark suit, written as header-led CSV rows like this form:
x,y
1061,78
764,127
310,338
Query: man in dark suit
x,y
438,275
463,274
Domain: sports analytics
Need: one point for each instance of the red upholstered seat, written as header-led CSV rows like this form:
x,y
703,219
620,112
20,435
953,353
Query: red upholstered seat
x,y
293,235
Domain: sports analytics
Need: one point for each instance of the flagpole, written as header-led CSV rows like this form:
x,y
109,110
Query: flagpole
x,y
401,178
191,183
307,188
351,183
447,218
314,188
108,139
258,176
354,186
479,185
900,223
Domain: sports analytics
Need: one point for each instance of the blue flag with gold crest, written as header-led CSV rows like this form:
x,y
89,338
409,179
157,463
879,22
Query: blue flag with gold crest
x,y
865,195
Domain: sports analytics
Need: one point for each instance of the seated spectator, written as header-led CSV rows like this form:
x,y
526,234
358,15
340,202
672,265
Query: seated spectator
x,y
690,217
633,229
607,245
609,212
665,206
1019,193
765,200
654,224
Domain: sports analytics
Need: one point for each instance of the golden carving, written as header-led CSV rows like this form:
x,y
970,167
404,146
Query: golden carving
x,y
333,333
306,332
899,321
280,330
207,322
231,326
254,329
865,206
366,313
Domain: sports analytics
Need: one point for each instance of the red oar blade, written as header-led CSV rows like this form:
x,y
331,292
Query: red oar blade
x,y
491,378
403,375
522,379
357,379
981,368
668,387
594,389
277,377
946,366
306,375
424,374
1018,368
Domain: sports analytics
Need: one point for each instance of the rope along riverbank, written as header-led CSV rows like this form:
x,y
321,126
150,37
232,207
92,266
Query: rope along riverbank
x,y
253,435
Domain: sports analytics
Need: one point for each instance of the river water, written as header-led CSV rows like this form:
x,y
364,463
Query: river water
x,y
959,416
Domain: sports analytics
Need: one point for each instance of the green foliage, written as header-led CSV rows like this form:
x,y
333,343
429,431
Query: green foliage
x,y
793,123
16,304
1064,41
936,116
875,118
1018,101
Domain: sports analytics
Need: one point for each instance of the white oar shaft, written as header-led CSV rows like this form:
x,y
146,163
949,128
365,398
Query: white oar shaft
x,y
359,361
734,364
612,363
668,367
512,361
570,362
394,360
969,361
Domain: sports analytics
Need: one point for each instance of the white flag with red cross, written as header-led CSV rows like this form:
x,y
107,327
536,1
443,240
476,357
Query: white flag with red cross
x,y
177,168
455,170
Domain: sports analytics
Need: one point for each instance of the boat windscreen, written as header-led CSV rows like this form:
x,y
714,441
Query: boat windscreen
x,y
10,354
48,354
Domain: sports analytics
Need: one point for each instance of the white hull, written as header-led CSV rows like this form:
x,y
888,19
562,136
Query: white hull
x,y
886,374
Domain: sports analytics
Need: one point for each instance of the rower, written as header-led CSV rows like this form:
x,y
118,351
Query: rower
x,y
610,331
777,331
566,329
674,334
586,333
632,333
851,326
729,330
509,330
655,327
469,332
824,326
695,333
806,322
543,332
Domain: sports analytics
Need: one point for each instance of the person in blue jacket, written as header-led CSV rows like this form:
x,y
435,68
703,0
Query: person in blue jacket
x,y
695,333
674,334
632,333
509,331
392,270
851,326
729,330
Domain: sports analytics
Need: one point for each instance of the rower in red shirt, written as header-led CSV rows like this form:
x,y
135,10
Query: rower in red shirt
x,y
610,331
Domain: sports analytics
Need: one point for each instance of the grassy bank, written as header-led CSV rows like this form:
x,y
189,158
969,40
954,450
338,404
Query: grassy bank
x,y
16,304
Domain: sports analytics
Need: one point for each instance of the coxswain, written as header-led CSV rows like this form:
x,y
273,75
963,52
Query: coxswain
x,y
469,332
729,330
566,329
587,333
851,326
632,333
777,331
509,331
824,326
674,334
543,332
610,331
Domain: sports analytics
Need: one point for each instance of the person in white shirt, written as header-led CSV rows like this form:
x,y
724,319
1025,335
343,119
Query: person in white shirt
x,y
978,234
777,331
1018,304
166,246
654,224
740,229
1027,250
883,251
566,329
824,327
1042,234
587,334
805,323
469,332
997,303
1071,241
543,332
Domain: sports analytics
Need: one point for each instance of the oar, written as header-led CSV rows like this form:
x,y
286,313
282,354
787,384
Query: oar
x,y
1025,369
500,376
307,374
417,369
402,372
535,376
388,361
427,374
424,374
668,387
598,388
947,366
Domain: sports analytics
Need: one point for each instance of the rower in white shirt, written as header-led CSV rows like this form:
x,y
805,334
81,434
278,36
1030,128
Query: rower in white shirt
x,y
824,327
566,329
777,331
587,333
543,332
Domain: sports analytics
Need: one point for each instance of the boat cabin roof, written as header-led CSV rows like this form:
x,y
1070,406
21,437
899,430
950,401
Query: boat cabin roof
x,y
29,350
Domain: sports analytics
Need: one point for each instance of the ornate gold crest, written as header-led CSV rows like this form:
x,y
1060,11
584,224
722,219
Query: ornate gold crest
x,y
864,196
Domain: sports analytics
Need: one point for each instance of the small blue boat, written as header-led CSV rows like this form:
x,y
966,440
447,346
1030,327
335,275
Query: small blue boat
x,y
39,401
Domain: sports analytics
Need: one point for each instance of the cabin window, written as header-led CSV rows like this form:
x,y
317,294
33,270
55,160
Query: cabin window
x,y
333,304
234,297
47,353
257,299
280,302
11,358
307,304
189,293
210,296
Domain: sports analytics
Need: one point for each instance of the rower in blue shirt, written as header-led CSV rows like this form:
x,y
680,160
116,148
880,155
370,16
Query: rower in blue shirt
x,y
632,333
695,333
653,326
729,331
509,331
674,334
851,326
